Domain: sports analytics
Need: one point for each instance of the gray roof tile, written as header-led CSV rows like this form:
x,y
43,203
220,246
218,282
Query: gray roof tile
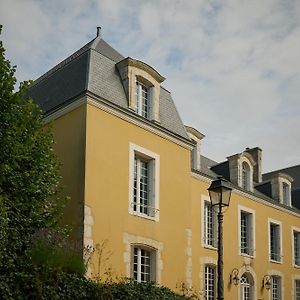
x,y
92,68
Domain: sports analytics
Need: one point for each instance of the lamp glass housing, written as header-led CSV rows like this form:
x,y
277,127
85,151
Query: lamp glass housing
x,y
219,192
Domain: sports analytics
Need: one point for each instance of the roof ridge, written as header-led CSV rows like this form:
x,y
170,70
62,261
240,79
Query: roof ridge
x,y
282,169
64,62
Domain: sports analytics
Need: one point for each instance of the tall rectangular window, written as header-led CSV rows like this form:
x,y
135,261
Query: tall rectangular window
x,y
143,100
210,281
143,182
275,253
246,233
276,288
210,225
296,248
285,194
141,192
297,289
143,264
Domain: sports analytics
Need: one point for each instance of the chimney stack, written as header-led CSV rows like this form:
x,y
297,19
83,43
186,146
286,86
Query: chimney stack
x,y
98,31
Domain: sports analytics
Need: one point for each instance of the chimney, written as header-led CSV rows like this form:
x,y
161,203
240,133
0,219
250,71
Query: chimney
x,y
99,31
257,155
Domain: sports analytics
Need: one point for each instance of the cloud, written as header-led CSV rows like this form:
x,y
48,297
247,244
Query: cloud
x,y
232,66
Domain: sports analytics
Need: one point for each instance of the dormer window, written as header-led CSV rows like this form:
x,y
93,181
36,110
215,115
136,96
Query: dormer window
x,y
286,193
143,100
142,87
246,176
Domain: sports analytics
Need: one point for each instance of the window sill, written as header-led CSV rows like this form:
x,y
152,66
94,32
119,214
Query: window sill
x,y
144,216
275,261
296,266
209,247
247,255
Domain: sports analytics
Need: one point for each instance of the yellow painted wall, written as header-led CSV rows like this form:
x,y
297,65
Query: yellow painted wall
x,y
260,264
69,136
107,181
94,148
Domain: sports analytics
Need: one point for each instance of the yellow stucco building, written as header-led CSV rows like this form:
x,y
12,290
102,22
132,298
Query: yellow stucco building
x,y
138,185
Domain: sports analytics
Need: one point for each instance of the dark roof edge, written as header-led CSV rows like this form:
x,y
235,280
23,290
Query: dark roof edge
x,y
63,63
263,197
282,169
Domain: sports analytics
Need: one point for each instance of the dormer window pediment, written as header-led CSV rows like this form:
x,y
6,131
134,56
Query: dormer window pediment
x,y
241,168
281,188
142,86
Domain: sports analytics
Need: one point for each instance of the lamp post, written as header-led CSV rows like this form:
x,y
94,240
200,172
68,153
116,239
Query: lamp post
x,y
219,193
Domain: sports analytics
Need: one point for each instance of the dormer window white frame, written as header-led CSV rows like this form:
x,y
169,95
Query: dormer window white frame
x,y
281,188
246,176
246,164
143,99
142,85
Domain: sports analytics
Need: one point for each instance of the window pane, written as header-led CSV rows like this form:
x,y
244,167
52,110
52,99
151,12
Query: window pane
x,y
275,242
297,248
142,260
297,289
209,282
209,225
276,288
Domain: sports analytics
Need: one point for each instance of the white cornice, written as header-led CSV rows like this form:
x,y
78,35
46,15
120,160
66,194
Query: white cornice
x,y
249,196
128,118
122,115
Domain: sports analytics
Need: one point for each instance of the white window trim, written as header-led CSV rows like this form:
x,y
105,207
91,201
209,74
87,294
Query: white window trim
x,y
278,274
240,177
253,230
293,292
132,240
269,240
213,266
152,251
205,199
297,229
133,150
288,183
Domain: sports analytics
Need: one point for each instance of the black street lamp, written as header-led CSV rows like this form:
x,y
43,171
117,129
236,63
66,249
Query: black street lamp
x,y
219,193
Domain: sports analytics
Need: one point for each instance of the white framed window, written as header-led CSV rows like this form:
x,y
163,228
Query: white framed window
x,y
286,194
276,288
246,286
297,289
143,99
143,182
296,246
210,225
210,282
246,217
275,246
246,176
143,264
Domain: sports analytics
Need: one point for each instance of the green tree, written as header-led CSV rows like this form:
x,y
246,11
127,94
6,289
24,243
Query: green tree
x,y
29,170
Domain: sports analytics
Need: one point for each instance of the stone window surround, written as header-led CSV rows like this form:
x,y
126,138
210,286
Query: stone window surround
x,y
205,199
131,240
253,230
131,71
244,158
281,276
133,150
294,229
272,221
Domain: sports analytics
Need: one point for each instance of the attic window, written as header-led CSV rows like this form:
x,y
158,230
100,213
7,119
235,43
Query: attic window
x,y
285,193
143,99
246,176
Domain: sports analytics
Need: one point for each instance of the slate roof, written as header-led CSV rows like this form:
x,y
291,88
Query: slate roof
x,y
92,69
293,171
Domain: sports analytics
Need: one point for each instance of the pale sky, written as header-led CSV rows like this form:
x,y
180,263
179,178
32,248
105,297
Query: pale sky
x,y
232,66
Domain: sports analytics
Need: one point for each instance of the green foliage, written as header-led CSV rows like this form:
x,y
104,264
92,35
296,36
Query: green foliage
x,y
56,253
46,283
29,171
